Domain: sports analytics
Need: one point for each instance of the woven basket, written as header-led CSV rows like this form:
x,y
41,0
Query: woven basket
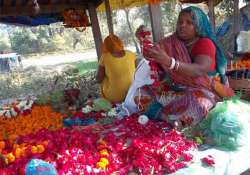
x,y
242,86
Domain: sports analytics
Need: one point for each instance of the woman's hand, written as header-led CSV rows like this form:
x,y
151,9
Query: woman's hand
x,y
157,54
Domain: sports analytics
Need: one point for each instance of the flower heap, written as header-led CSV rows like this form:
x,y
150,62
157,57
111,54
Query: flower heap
x,y
20,151
119,147
155,69
20,108
40,117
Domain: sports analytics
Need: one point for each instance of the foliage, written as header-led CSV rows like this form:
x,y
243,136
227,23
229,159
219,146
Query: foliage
x,y
4,43
227,7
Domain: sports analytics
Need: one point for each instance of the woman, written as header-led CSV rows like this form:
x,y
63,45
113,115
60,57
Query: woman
x,y
116,69
191,59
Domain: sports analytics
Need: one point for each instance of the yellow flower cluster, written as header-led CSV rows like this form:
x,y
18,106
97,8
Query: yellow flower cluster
x,y
103,162
21,150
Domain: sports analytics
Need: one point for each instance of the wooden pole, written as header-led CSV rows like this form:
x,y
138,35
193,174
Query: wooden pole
x,y
156,22
211,14
95,28
236,22
109,16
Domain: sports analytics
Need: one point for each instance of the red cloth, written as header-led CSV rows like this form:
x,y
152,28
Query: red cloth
x,y
204,46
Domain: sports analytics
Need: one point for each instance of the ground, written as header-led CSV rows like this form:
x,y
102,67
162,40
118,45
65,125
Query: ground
x,y
40,72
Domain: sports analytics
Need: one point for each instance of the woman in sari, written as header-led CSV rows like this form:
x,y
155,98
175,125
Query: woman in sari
x,y
194,72
116,69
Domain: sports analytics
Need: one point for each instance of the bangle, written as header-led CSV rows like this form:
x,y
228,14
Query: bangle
x,y
177,65
172,63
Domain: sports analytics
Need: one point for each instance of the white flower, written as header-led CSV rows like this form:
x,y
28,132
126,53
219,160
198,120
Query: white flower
x,y
143,119
13,112
2,112
30,103
8,114
21,104
112,112
87,109
26,107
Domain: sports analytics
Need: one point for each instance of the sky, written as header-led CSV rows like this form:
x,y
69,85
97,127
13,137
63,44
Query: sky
x,y
241,3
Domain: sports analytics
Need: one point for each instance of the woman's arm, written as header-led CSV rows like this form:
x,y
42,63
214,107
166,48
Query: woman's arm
x,y
199,67
100,74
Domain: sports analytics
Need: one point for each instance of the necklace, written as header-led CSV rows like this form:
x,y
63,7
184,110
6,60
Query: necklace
x,y
190,43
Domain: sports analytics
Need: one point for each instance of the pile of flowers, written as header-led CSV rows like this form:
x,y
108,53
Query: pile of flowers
x,y
19,108
119,147
39,117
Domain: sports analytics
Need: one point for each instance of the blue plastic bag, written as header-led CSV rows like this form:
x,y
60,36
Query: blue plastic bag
x,y
39,167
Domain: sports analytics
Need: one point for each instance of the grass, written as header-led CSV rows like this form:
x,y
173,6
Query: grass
x,y
84,67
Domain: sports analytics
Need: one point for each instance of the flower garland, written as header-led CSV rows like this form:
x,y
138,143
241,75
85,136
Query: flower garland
x,y
19,108
76,19
155,68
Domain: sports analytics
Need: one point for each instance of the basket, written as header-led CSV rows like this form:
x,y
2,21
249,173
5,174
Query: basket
x,y
242,86
240,83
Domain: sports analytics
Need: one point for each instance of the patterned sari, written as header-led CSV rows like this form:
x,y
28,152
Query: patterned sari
x,y
182,98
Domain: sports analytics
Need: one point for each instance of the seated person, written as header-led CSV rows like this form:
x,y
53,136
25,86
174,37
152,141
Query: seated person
x,y
194,73
116,69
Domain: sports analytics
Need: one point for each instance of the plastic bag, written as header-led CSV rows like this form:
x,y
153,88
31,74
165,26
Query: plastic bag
x,y
101,104
227,125
141,78
39,167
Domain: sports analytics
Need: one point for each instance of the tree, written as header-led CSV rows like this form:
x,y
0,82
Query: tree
x,y
131,30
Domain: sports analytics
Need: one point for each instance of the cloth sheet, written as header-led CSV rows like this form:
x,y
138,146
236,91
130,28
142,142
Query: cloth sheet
x,y
226,163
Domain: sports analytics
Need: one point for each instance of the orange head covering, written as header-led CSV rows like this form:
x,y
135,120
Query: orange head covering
x,y
112,43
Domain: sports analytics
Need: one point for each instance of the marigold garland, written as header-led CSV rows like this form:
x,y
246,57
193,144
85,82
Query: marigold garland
x,y
76,19
39,118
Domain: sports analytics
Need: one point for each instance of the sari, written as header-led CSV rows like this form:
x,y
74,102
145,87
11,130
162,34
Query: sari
x,y
183,98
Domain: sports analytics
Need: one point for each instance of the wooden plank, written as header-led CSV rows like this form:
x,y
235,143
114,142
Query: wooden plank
x,y
19,2
30,2
7,3
156,21
236,22
44,9
109,17
95,28
211,14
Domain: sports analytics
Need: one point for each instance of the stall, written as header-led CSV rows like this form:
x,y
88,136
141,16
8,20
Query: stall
x,y
92,139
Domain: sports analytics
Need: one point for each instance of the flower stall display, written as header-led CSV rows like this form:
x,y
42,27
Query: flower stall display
x,y
116,148
25,123
22,107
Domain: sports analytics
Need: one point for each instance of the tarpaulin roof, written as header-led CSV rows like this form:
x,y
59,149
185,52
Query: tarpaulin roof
x,y
21,12
121,4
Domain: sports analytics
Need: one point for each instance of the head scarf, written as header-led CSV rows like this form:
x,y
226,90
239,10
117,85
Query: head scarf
x,y
204,29
112,43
